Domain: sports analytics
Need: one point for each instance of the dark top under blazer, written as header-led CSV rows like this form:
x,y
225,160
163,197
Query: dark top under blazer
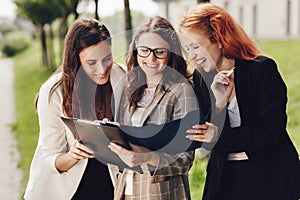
x,y
261,96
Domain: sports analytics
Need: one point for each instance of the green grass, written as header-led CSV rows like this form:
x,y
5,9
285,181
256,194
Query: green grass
x,y
29,75
285,53
197,177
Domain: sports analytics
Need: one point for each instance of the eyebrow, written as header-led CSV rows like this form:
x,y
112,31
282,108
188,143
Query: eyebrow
x,y
195,43
108,56
90,60
143,46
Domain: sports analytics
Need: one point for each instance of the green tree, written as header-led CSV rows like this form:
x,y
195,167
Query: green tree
x,y
67,7
41,13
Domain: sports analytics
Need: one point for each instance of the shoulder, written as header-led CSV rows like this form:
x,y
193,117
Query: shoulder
x,y
259,67
50,82
263,66
48,85
184,84
117,74
263,71
118,68
183,88
261,63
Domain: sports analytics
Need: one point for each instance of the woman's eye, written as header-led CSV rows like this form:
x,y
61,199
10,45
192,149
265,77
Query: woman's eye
x,y
144,50
196,47
159,52
91,62
107,59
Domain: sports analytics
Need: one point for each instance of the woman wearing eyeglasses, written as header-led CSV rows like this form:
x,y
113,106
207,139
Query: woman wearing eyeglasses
x,y
157,92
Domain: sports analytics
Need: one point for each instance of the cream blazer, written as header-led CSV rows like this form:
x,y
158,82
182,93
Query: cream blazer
x,y
45,181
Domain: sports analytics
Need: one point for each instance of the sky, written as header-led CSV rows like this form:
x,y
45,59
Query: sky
x,y
7,8
106,7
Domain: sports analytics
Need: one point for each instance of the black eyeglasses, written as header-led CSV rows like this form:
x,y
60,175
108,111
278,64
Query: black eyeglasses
x,y
159,53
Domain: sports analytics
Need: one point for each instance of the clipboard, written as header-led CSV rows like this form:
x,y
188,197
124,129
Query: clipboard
x,y
168,138
97,135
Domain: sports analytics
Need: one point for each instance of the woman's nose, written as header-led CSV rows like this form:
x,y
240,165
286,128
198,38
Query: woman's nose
x,y
101,69
152,56
192,55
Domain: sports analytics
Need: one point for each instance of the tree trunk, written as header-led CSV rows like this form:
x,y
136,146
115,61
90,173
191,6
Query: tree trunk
x,y
128,24
62,33
75,3
96,9
51,61
44,46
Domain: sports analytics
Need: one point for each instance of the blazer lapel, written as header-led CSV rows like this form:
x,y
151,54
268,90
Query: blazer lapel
x,y
240,79
158,95
117,79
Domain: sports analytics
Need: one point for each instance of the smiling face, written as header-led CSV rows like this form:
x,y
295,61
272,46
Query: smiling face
x,y
201,51
151,65
96,61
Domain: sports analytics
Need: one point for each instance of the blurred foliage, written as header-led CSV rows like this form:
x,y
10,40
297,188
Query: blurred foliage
x,y
7,28
14,43
113,22
39,12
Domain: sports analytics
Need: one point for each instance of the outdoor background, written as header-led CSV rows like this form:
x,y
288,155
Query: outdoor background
x,y
31,34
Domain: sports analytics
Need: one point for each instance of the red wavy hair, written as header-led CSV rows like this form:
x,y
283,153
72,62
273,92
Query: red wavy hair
x,y
219,26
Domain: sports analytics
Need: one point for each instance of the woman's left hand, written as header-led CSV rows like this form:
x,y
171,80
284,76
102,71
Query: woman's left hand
x,y
135,157
203,132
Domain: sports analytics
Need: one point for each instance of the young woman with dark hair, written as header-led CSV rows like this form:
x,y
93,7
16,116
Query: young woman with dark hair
x,y
83,87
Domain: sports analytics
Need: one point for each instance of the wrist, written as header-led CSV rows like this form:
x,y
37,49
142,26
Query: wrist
x,y
221,105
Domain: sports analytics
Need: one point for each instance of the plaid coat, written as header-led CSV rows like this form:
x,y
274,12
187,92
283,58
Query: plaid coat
x,y
170,179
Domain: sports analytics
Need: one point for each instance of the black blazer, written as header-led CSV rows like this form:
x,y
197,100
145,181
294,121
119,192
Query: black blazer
x,y
273,160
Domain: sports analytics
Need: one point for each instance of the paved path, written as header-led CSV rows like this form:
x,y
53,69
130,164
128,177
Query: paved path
x,y
10,175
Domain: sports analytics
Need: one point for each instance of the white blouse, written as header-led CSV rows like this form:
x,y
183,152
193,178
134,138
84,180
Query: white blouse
x,y
235,121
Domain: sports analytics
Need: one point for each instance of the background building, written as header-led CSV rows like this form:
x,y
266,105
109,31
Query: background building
x,y
272,19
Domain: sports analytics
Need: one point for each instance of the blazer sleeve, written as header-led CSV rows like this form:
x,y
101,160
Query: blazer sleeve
x,y
267,128
52,136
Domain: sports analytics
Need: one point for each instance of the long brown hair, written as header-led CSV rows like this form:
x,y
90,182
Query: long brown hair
x,y
81,34
216,23
136,76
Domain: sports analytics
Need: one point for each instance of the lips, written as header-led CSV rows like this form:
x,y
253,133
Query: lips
x,y
201,60
151,65
99,75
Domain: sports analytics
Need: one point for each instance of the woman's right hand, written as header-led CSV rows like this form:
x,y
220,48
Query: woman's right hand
x,y
222,87
79,151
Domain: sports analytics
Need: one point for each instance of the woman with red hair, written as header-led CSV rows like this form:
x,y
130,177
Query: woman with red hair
x,y
254,157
